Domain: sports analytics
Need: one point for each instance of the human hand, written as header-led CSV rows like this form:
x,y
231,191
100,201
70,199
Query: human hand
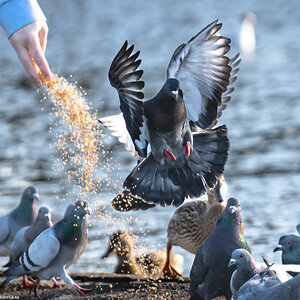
x,y
30,41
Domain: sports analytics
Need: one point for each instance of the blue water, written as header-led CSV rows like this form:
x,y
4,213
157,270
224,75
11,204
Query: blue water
x,y
262,117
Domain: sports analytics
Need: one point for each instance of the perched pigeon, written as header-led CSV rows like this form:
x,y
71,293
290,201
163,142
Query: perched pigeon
x,y
246,267
26,235
54,249
267,286
290,247
171,134
210,275
20,217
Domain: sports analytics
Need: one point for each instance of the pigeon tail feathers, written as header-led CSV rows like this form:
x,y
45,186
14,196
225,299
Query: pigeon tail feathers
x,y
170,186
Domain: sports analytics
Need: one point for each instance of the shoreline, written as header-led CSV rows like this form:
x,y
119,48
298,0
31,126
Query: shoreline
x,y
105,286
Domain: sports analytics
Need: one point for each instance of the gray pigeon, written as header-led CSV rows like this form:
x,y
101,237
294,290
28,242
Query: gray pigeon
x,y
210,275
246,267
54,249
290,247
181,155
18,218
26,235
267,286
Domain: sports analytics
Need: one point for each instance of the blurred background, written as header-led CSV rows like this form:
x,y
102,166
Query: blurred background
x,y
262,117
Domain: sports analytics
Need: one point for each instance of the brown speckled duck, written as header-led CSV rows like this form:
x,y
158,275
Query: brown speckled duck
x,y
148,265
193,222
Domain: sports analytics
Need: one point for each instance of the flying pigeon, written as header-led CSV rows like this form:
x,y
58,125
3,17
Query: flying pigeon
x,y
210,275
54,249
26,235
21,216
290,247
171,133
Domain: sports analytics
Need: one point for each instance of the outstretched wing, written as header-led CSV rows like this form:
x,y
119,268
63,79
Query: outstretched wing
x,y
203,72
116,124
226,96
124,76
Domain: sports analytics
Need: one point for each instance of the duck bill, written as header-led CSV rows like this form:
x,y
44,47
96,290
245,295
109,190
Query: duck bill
x,y
278,248
109,252
218,195
231,262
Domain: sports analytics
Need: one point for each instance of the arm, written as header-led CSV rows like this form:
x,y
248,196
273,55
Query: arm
x,y
26,28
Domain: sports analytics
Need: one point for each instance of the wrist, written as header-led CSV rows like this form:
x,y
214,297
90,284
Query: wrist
x,y
15,14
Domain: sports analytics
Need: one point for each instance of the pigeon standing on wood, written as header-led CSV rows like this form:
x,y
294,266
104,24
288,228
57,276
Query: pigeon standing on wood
x,y
171,133
246,267
210,275
20,217
54,249
26,235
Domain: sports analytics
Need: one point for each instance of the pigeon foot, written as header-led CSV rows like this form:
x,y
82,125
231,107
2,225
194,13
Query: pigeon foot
x,y
56,284
26,283
35,287
169,155
81,289
188,148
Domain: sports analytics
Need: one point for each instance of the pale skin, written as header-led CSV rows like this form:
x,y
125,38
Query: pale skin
x,y
30,41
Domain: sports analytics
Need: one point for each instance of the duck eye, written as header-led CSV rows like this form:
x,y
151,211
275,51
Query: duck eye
x,y
288,242
241,255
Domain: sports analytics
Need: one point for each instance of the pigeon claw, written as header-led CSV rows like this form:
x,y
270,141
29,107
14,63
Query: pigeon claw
x,y
188,148
169,155
81,290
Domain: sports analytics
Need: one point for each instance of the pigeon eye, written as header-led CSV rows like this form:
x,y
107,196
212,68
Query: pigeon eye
x,y
168,87
288,242
241,255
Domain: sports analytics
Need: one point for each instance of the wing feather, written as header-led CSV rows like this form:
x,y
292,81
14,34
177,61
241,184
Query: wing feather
x,y
125,77
41,252
203,71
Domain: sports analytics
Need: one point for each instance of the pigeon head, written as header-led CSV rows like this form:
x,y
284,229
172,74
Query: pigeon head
x,y
44,214
81,208
298,228
120,243
288,243
170,91
240,257
30,194
233,206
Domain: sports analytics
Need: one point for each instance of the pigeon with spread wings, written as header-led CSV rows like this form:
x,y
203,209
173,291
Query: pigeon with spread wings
x,y
171,133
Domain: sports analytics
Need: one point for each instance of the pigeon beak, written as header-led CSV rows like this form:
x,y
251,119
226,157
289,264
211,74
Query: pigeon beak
x,y
231,262
36,196
175,93
47,216
278,248
232,209
87,211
